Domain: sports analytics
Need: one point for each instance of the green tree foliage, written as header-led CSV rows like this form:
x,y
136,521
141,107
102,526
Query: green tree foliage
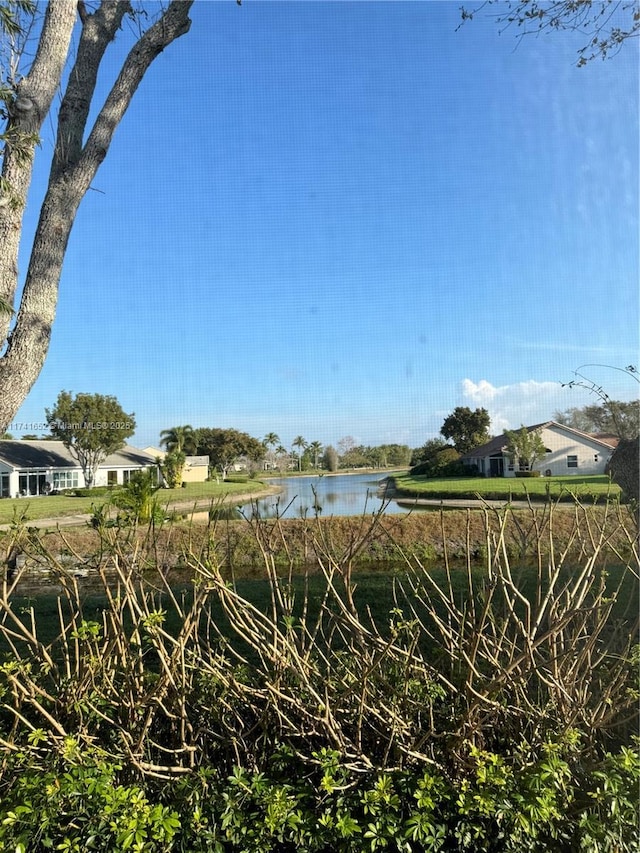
x,y
379,456
466,429
271,439
271,442
613,417
300,443
605,25
181,438
91,426
355,457
137,498
443,462
225,446
315,449
524,447
428,450
395,455
330,459
51,58
172,467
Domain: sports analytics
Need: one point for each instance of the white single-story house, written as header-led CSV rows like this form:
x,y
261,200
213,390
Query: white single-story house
x,y
29,468
568,451
196,468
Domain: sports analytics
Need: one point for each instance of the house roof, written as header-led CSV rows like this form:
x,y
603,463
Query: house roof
x,y
498,444
155,451
197,461
492,448
606,438
53,454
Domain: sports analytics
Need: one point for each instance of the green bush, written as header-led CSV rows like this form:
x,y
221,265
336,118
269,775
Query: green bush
x,y
137,501
71,799
527,474
75,799
443,463
95,492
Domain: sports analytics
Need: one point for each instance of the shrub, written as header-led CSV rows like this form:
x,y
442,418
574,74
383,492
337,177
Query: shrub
x,y
172,467
487,710
527,474
443,463
73,799
136,500
95,492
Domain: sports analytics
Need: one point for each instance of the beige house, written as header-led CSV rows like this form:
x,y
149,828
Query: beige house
x,y
196,468
568,452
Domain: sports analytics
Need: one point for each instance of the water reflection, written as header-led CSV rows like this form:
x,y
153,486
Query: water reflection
x,y
323,495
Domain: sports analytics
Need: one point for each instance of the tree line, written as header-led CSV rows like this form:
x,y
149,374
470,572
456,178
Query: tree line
x,y
92,426
229,447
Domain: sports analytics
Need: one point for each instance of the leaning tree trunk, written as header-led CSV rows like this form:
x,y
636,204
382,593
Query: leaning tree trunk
x,y
74,166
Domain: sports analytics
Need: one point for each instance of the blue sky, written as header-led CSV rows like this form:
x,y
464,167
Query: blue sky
x,y
331,219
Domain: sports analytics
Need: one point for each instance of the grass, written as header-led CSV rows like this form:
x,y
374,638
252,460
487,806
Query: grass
x,y
506,487
60,506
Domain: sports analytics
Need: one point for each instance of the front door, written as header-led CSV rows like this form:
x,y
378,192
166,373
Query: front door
x,y
496,466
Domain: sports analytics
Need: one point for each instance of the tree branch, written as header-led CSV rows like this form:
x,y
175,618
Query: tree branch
x,y
33,97
72,171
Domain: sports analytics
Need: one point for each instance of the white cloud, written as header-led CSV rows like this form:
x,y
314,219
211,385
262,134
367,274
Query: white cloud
x,y
510,406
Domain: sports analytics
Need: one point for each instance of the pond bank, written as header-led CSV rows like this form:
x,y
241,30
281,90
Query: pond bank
x,y
179,507
245,547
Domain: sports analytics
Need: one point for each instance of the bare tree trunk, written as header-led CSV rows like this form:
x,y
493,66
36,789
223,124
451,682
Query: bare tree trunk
x,y
73,168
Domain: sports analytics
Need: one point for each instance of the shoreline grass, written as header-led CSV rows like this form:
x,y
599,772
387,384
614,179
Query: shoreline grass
x,y
507,488
63,506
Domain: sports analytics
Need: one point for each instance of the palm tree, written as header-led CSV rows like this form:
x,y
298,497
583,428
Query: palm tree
x,y
282,456
316,448
181,438
271,439
300,443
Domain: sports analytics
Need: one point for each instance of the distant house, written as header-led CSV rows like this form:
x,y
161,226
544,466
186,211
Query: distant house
x,y
196,468
29,468
569,451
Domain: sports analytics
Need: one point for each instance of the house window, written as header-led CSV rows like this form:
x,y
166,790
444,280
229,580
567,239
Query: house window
x,y
127,475
572,461
65,480
32,483
112,478
4,486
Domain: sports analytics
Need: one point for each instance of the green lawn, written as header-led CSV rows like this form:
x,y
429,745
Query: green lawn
x,y
505,487
58,506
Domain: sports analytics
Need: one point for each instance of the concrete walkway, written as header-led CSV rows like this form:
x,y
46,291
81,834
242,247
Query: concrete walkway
x,y
461,503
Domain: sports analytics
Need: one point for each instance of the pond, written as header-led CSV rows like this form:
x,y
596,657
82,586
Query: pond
x,y
324,495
